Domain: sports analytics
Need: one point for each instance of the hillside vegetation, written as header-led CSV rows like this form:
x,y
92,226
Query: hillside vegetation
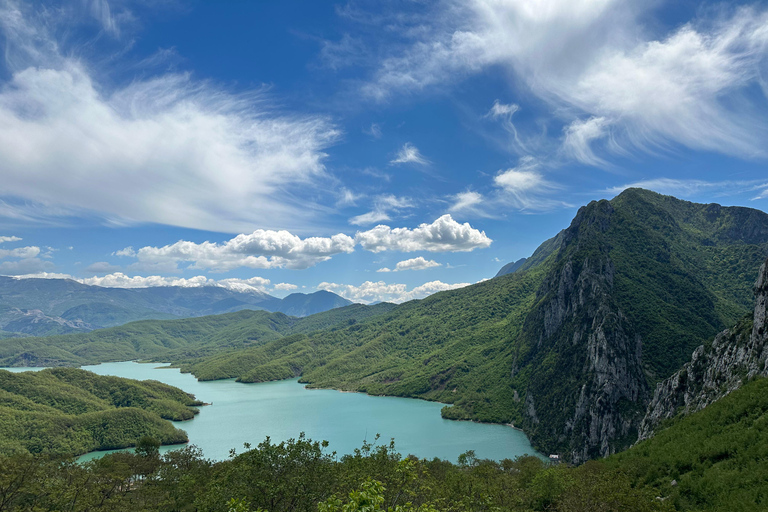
x,y
714,460
71,411
171,340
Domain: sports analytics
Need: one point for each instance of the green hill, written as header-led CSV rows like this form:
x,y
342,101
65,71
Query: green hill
x,y
70,411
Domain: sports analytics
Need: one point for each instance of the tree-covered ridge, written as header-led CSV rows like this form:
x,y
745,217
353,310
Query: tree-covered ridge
x,y
71,411
172,340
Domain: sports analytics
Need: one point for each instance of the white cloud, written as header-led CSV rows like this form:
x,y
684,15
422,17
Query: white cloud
x,y
260,249
120,280
524,186
409,154
347,198
27,258
165,149
468,202
419,263
368,218
380,291
44,275
602,71
128,251
383,205
443,235
502,110
579,137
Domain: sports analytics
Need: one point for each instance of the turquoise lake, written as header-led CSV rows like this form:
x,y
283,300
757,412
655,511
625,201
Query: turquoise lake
x,y
248,413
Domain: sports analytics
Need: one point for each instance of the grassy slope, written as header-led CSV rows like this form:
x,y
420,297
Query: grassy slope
x,y
718,456
66,410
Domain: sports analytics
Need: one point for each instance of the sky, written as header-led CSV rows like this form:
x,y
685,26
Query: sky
x,y
379,150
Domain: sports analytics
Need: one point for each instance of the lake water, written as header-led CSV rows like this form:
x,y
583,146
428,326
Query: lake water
x,y
249,413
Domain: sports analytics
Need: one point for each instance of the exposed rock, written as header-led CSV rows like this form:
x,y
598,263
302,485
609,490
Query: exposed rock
x,y
577,315
735,356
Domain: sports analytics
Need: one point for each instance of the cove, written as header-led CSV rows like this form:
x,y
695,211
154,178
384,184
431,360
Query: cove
x,y
248,413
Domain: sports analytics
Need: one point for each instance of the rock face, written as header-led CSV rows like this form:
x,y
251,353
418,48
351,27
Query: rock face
x,y
736,355
596,354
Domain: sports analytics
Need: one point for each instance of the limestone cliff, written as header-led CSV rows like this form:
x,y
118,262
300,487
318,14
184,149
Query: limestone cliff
x,y
735,356
587,351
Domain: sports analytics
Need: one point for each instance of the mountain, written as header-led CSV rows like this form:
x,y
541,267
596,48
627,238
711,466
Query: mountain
x,y
717,368
42,307
301,304
568,348
511,267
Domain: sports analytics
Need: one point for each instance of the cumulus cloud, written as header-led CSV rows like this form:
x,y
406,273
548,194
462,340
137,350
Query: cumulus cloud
x,y
264,249
419,263
443,235
166,149
261,249
120,280
409,154
617,85
383,206
27,258
380,291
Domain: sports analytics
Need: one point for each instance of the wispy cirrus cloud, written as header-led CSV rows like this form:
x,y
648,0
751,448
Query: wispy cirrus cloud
x,y
242,161
383,206
616,85
409,154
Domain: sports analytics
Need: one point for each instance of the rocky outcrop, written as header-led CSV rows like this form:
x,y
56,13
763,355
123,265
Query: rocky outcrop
x,y
595,354
735,356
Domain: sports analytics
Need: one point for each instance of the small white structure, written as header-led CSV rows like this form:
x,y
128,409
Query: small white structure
x,y
554,458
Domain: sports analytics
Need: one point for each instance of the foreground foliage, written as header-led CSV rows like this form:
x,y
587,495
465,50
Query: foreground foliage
x,y
300,475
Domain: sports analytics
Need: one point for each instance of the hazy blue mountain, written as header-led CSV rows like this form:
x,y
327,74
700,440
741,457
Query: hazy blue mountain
x,y
42,307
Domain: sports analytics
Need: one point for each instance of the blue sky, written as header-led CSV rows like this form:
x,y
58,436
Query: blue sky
x,y
381,150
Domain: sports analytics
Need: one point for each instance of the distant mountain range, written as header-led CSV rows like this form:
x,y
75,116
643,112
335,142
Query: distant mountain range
x,y
44,307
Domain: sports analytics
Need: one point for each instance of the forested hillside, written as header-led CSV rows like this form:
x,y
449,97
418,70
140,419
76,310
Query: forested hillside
x,y
69,411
